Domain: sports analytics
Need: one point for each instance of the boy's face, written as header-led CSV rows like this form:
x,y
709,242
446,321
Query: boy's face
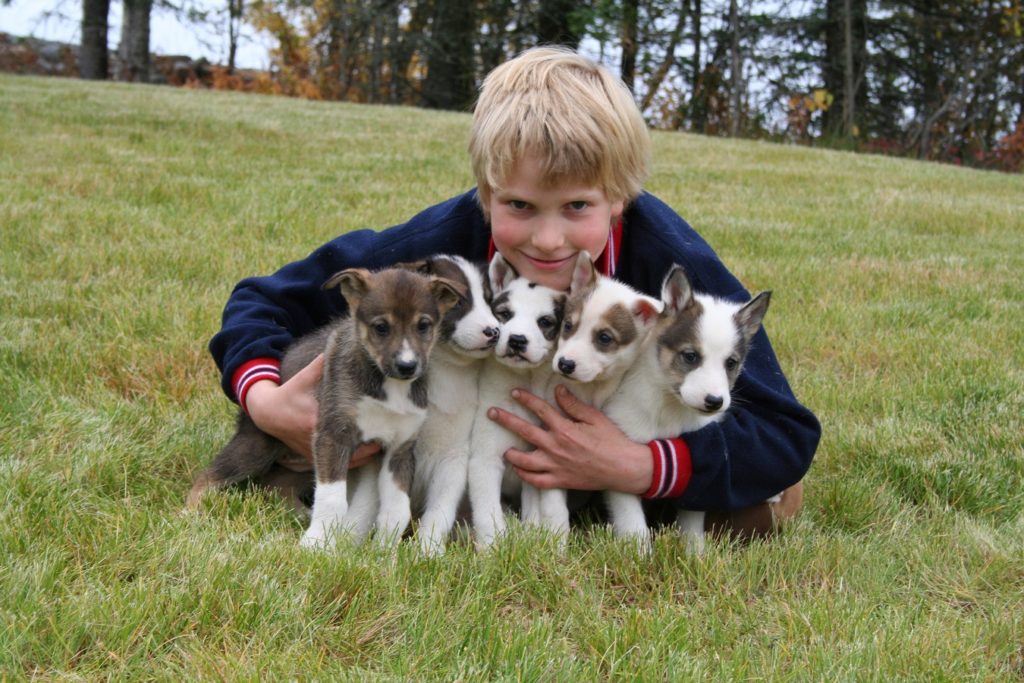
x,y
541,230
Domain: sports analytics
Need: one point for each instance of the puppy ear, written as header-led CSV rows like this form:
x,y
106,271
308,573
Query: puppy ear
x,y
425,266
584,274
446,292
647,310
750,316
676,292
501,273
353,282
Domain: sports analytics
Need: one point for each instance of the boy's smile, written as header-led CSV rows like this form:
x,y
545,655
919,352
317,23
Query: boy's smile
x,y
540,229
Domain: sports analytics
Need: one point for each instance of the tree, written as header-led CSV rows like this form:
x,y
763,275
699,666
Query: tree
x,y
93,60
134,48
449,83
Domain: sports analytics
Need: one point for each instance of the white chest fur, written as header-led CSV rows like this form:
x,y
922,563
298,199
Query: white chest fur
x,y
392,420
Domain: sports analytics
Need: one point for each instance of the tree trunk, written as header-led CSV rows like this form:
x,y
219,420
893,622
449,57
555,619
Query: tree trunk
x,y
93,60
630,21
134,49
449,82
656,79
236,10
735,66
553,23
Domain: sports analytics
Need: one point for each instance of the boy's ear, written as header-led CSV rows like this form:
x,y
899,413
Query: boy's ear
x,y
584,274
750,316
353,282
500,273
676,292
446,292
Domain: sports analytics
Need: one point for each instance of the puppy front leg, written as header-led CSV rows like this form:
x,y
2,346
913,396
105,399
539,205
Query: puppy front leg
x,y
529,505
691,527
394,483
486,469
628,518
554,512
331,454
444,493
365,503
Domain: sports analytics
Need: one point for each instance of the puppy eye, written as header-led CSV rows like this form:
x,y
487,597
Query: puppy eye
x,y
690,357
545,322
604,339
503,315
731,363
381,328
568,326
424,325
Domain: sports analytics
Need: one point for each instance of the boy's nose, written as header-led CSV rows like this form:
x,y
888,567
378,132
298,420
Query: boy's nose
x,y
548,235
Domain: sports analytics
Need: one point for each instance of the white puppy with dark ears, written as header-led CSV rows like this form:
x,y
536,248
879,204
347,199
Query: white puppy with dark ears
x,y
468,334
530,317
684,378
604,328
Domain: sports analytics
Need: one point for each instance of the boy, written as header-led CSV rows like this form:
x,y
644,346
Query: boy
x,y
560,152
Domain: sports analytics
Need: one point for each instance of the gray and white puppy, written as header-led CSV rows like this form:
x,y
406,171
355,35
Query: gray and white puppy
x,y
373,389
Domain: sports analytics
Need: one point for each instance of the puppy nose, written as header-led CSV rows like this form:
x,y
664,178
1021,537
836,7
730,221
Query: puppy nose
x,y
491,332
713,402
406,368
517,342
566,366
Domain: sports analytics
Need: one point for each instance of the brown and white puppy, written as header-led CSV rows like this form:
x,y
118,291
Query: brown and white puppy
x,y
605,327
373,389
683,379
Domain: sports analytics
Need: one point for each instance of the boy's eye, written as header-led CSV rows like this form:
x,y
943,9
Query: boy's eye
x,y
579,205
518,204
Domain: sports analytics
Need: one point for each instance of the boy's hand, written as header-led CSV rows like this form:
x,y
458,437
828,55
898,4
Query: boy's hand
x,y
581,449
288,412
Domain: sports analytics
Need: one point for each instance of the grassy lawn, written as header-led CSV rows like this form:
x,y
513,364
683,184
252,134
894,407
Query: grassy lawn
x,y
127,213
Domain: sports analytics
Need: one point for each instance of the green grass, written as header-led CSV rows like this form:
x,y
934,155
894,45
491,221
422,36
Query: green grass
x,y
127,213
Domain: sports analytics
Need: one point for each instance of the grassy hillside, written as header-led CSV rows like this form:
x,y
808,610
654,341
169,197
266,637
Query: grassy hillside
x,y
127,213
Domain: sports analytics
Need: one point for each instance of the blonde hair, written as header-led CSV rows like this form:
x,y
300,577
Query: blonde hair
x,y
570,113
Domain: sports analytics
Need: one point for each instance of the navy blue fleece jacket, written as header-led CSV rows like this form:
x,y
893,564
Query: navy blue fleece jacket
x,y
764,444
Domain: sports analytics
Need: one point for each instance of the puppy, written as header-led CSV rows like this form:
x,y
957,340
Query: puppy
x,y
683,379
530,317
469,332
605,327
373,388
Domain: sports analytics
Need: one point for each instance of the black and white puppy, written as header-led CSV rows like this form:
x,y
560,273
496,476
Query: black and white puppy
x,y
683,379
530,317
469,332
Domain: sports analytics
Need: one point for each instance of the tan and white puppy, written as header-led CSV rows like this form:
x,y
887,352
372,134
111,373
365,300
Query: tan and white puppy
x,y
605,327
469,332
530,318
684,378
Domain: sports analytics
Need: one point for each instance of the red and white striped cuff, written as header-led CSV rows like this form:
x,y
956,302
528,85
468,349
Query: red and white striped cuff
x,y
252,372
672,468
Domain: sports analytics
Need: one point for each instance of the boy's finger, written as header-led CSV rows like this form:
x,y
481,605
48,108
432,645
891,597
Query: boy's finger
x,y
573,406
538,406
527,430
311,374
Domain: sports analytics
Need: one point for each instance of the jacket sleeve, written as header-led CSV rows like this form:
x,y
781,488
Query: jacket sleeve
x,y
264,314
767,440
